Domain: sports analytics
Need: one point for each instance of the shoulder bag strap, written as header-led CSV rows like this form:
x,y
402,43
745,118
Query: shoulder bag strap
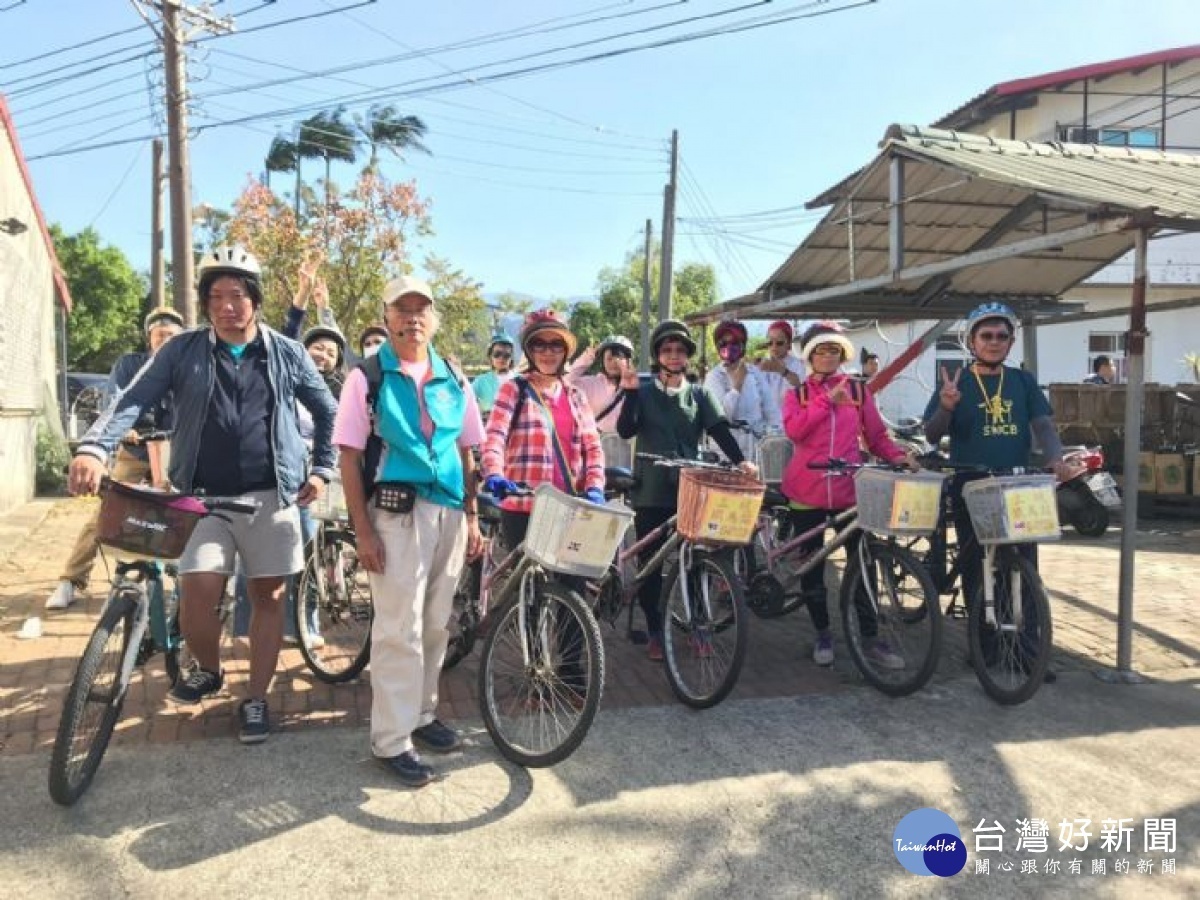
x,y
563,469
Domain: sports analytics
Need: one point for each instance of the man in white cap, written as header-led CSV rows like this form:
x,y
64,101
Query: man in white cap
x,y
406,424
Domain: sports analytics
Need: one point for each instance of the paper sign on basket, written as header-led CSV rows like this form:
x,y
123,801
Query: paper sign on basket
x,y
730,518
582,536
1032,512
916,505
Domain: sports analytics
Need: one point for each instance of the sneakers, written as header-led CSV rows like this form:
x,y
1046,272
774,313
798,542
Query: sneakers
x,y
256,724
654,649
437,737
196,685
63,596
881,654
823,650
409,768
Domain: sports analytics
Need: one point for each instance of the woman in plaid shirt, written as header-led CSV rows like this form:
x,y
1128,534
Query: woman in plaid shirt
x,y
553,440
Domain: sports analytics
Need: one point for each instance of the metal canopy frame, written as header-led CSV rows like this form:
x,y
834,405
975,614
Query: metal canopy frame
x,y
939,222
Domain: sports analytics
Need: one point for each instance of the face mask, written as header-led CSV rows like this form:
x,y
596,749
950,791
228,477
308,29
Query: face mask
x,y
371,351
731,353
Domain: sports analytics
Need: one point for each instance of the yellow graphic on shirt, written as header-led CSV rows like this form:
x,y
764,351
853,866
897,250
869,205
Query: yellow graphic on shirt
x,y
998,415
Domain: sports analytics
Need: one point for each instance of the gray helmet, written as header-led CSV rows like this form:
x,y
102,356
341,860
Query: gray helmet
x,y
614,340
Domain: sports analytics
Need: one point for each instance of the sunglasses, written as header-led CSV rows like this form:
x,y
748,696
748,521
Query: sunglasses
x,y
546,347
779,343
501,354
994,336
723,344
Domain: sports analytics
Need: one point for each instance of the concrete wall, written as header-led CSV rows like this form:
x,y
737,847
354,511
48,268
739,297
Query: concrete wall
x,y
27,308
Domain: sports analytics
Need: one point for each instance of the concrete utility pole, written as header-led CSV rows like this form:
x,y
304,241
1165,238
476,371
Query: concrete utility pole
x,y
665,272
158,268
645,330
179,171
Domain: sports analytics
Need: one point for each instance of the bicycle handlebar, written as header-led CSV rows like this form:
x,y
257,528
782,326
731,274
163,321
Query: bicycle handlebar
x,y
145,437
229,504
675,462
842,466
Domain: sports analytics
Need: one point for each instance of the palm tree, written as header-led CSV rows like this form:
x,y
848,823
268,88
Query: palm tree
x,y
281,157
384,128
329,136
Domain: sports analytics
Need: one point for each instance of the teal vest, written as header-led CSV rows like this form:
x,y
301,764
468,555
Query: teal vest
x,y
432,466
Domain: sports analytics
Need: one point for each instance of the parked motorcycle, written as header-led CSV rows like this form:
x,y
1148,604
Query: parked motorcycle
x,y
1086,501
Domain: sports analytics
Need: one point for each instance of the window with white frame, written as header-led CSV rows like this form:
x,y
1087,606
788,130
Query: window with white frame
x,y
1110,344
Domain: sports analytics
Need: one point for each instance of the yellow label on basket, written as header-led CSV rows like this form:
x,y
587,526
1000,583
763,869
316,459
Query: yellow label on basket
x,y
729,517
1032,512
916,505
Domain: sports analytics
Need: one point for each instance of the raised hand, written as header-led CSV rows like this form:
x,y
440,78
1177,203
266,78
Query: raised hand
x,y
320,293
629,375
840,393
950,394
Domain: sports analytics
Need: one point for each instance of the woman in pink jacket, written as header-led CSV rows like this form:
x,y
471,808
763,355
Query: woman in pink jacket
x,y
830,416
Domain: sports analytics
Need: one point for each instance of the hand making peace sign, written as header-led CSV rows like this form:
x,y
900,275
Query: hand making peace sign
x,y
950,394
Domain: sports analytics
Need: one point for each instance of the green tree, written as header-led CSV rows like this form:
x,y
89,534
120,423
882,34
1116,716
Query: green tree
x,y
465,322
328,136
106,294
281,157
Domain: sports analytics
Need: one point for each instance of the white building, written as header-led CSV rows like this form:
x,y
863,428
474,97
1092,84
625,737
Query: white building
x,y
1146,102
32,288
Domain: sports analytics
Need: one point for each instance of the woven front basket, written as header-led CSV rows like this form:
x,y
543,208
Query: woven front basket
x,y
143,522
717,507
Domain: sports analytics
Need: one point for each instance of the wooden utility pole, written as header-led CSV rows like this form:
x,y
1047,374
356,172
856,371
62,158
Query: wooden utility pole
x,y
668,233
179,171
158,268
645,330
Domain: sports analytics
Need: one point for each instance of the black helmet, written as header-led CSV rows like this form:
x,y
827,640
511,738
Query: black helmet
x,y
672,328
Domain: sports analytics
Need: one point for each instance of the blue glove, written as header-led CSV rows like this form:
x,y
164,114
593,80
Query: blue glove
x,y
498,486
594,495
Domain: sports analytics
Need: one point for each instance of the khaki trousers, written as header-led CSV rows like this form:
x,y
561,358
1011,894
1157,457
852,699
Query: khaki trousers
x,y
413,598
78,569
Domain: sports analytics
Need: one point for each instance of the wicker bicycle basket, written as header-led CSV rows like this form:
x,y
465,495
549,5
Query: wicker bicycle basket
x,y
717,507
143,522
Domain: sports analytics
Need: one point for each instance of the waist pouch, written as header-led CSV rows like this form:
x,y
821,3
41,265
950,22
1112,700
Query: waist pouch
x,y
395,497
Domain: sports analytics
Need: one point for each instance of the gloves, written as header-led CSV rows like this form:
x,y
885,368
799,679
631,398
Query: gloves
x,y
594,495
498,486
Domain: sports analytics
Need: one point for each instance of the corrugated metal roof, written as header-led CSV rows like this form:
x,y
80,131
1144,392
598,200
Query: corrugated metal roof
x,y
964,192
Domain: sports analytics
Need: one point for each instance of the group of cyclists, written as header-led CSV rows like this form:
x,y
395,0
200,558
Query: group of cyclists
x,y
257,414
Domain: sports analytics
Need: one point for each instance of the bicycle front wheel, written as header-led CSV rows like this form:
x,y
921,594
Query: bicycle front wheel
x,y
705,630
541,674
93,702
1010,656
334,610
891,618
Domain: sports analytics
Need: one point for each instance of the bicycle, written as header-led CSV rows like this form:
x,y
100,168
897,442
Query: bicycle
x,y
136,622
472,594
334,593
887,602
541,669
1009,628
705,634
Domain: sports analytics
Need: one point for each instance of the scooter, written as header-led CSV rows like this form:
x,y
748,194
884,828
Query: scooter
x,y
1086,501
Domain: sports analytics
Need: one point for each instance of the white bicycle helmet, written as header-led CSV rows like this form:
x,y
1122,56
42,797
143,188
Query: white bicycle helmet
x,y
229,259
615,340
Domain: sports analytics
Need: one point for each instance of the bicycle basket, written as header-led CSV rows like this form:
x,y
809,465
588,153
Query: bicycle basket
x,y
144,522
898,503
1014,509
331,505
718,507
573,536
774,453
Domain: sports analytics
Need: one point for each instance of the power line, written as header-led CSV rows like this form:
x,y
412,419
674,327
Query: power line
x,y
61,50
120,184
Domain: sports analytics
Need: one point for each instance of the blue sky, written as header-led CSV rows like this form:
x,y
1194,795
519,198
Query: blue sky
x,y
540,181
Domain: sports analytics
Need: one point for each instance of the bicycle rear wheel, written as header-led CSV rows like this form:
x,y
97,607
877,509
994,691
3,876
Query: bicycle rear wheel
x,y
1010,657
705,633
93,702
540,681
334,588
891,618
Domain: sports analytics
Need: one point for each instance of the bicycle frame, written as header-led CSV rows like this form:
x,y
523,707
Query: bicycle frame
x,y
846,524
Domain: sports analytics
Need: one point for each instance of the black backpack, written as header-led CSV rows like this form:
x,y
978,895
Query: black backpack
x,y
373,372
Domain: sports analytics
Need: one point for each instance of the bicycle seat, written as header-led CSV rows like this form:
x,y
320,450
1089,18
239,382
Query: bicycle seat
x,y
909,428
773,497
617,480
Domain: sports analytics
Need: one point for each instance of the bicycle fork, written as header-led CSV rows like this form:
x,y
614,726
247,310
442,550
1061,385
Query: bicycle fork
x,y
141,622
989,592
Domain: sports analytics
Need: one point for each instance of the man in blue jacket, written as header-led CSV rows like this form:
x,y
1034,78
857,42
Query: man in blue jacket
x,y
235,384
